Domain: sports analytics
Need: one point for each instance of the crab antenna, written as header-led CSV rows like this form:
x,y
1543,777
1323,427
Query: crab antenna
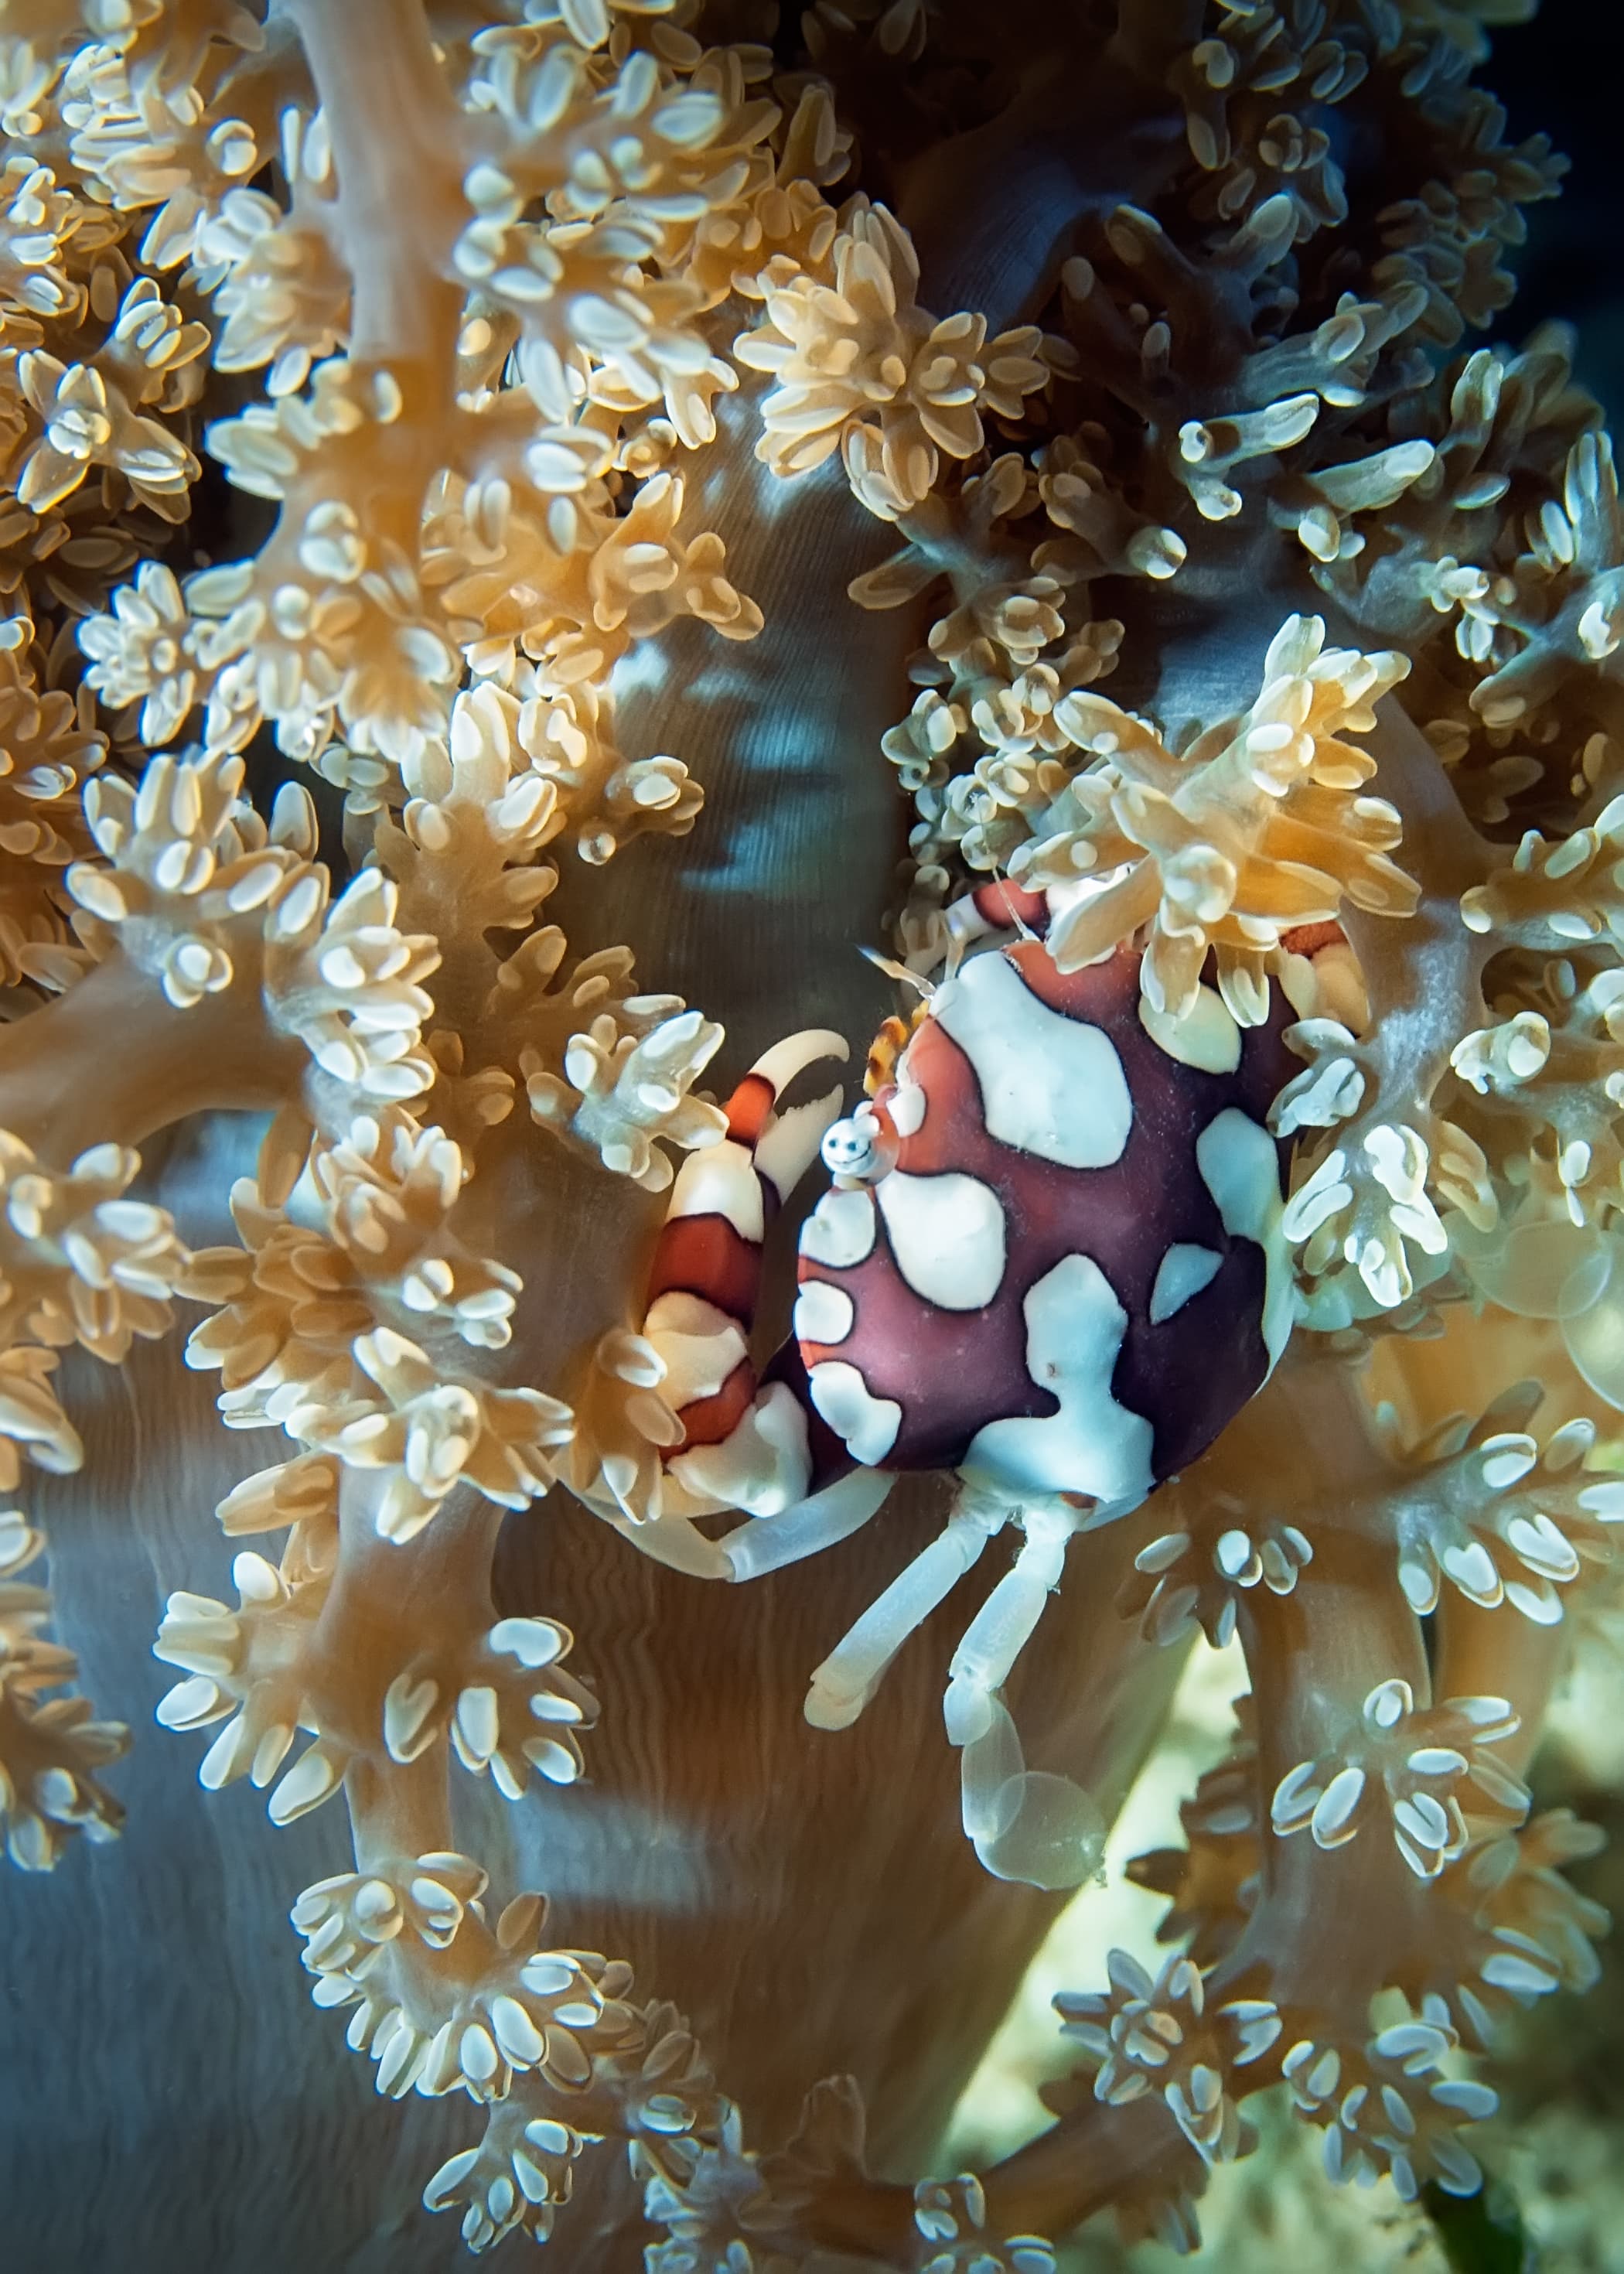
x,y
1015,915
900,972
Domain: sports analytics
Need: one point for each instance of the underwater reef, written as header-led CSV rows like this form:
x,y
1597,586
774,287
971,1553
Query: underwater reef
x,y
812,946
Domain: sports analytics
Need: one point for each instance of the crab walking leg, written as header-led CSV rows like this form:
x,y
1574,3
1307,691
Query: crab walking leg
x,y
770,1543
1003,1627
742,1447
846,1681
1023,1823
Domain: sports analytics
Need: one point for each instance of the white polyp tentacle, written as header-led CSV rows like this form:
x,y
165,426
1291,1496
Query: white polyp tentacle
x,y
844,1683
677,1542
762,1467
769,1542
1002,1628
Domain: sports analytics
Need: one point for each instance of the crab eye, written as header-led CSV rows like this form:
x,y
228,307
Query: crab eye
x,y
861,1149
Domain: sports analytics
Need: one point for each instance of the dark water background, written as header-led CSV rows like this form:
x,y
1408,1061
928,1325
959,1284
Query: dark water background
x,y
1562,75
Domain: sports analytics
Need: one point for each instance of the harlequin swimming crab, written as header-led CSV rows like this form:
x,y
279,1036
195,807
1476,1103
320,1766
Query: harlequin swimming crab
x,y
1049,1260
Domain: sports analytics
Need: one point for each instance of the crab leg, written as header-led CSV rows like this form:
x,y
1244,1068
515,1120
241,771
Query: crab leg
x,y
1024,1823
743,1445
841,1509
1003,1627
846,1681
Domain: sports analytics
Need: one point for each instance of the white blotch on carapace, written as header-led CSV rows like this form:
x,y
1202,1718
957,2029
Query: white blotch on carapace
x,y
1207,1037
947,1234
841,1230
1051,1085
1183,1271
1092,1445
824,1313
907,1106
1241,1170
867,1424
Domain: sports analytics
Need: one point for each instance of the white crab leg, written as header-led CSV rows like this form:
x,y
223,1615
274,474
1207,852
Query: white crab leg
x,y
1003,1627
1024,1823
842,1684
770,1541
